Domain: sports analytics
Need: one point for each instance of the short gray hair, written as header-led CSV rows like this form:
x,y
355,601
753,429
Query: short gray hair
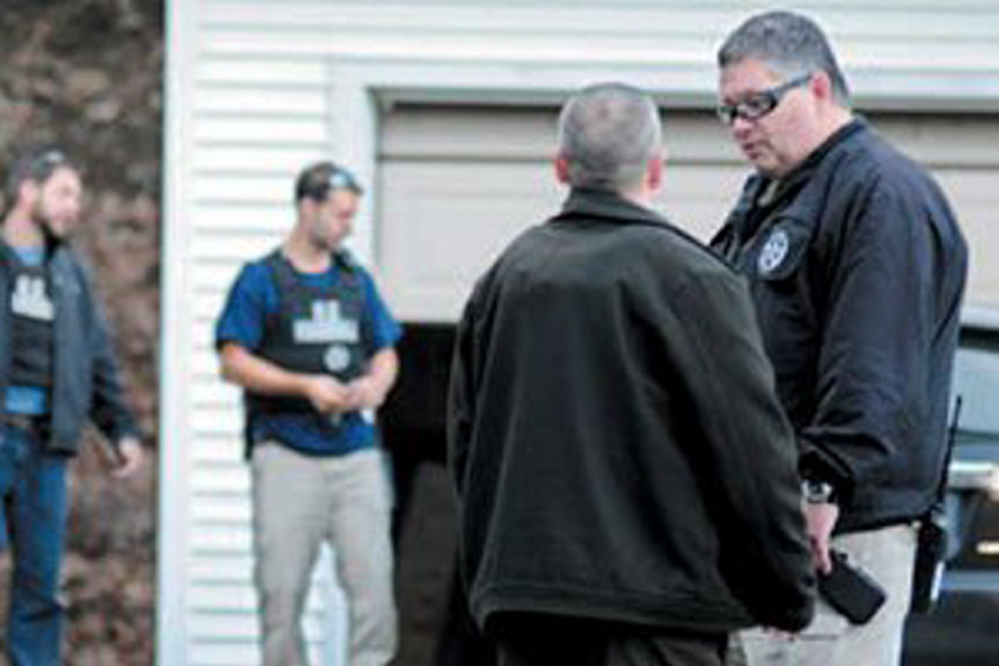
x,y
607,134
790,44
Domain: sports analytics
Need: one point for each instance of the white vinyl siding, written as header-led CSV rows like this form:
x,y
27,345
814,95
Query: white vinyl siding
x,y
445,110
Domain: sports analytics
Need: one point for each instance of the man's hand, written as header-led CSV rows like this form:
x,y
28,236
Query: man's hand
x,y
129,458
820,520
327,395
365,393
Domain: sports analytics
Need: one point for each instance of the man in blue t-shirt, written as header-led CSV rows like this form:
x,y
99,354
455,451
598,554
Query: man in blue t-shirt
x,y
306,334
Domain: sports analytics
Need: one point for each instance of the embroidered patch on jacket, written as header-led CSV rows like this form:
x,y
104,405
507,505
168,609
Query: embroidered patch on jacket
x,y
774,252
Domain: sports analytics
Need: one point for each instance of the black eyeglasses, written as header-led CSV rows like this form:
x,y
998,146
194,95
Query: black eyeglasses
x,y
760,104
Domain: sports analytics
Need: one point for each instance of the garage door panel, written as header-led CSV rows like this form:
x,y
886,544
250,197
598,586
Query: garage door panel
x,y
444,223
974,194
522,133
457,184
698,197
455,133
959,140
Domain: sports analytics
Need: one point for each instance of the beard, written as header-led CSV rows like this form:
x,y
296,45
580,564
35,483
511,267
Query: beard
x,y
327,241
51,231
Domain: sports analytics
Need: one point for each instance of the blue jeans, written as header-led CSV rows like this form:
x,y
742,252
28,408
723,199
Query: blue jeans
x,y
33,518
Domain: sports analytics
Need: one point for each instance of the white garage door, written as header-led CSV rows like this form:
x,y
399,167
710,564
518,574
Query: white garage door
x,y
458,182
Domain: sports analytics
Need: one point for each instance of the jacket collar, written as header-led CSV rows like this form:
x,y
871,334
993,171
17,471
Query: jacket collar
x,y
606,205
806,168
762,195
792,181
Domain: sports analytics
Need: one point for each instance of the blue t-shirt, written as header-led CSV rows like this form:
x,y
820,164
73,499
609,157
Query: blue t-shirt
x,y
252,300
32,400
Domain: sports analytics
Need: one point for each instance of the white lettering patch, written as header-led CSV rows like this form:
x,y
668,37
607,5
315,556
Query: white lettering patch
x,y
30,300
326,325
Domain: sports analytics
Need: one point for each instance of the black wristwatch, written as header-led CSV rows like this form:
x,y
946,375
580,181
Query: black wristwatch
x,y
818,492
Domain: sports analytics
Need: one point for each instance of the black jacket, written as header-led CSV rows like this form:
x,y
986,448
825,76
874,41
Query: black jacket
x,y
86,383
614,437
857,267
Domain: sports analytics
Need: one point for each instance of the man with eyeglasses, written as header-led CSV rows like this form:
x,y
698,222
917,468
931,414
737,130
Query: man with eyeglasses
x,y
57,372
305,333
857,268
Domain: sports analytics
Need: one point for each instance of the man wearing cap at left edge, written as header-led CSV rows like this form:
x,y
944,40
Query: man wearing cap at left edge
x,y
305,333
57,371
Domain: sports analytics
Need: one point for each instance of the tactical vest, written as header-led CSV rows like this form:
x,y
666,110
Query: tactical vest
x,y
32,313
316,329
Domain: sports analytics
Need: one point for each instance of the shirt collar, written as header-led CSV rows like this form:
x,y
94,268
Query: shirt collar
x,y
605,204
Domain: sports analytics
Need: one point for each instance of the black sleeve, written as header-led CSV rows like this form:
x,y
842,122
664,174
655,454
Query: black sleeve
x,y
749,451
872,367
461,395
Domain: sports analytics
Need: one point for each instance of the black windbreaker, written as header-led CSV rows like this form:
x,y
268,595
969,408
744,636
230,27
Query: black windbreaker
x,y
614,437
857,267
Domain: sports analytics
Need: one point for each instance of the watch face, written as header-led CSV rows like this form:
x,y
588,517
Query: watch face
x,y
817,492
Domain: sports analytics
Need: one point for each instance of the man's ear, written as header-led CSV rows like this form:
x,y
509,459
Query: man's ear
x,y
821,85
306,207
655,173
28,191
562,170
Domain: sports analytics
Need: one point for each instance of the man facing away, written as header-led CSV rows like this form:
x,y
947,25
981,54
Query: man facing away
x,y
306,334
857,267
57,371
625,475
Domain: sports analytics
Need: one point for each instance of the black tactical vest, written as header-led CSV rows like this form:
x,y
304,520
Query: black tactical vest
x,y
32,313
316,329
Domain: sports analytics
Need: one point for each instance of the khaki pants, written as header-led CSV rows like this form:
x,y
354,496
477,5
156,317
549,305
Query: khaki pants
x,y
299,502
888,554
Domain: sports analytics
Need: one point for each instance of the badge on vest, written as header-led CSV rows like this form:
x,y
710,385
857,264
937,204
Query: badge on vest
x,y
337,358
29,299
774,252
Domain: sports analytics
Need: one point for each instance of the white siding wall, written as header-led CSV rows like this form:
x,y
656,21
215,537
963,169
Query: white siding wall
x,y
257,88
